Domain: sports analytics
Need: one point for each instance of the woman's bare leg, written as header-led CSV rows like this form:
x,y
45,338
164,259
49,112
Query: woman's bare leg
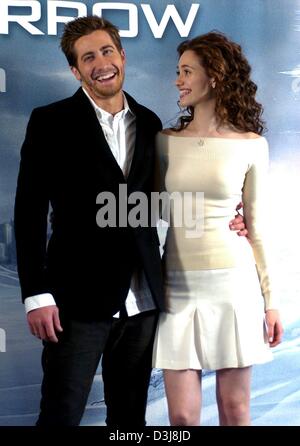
x,y
233,396
183,390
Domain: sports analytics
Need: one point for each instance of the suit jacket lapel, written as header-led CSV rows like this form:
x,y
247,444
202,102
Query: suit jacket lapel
x,y
138,156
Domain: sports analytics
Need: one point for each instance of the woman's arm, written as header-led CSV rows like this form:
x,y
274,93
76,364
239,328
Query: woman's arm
x,y
256,215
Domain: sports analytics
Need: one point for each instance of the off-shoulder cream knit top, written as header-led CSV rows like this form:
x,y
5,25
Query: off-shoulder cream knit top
x,y
227,171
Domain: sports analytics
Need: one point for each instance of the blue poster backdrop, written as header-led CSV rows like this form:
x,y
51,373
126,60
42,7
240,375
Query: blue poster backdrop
x,y
34,72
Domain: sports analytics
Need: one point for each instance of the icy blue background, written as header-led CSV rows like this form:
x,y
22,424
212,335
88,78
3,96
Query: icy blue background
x,y
37,74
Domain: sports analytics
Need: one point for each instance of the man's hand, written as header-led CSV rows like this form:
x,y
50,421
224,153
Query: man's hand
x,y
274,327
44,323
237,224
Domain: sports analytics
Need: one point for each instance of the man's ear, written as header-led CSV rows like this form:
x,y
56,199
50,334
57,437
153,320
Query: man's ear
x,y
123,55
76,73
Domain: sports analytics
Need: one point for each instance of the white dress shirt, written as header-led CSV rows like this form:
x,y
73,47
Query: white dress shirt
x,y
119,131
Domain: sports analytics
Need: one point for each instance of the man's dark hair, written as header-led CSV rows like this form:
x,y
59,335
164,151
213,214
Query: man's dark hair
x,y
83,26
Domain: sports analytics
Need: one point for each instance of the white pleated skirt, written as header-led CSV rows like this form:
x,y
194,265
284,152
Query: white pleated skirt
x,y
215,321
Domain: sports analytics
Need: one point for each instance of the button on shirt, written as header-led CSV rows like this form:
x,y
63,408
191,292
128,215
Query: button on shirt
x,y
119,131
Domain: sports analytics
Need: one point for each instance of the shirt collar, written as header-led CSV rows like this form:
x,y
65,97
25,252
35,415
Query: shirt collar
x,y
104,115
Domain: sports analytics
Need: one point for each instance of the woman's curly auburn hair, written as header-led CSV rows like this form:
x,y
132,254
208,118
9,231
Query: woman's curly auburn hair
x,y
224,62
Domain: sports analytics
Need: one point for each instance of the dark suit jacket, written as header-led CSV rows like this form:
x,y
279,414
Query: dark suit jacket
x,y
66,161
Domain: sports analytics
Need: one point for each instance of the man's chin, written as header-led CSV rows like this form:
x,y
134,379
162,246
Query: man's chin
x,y
106,92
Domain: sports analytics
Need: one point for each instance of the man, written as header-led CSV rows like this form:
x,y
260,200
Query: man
x,y
74,149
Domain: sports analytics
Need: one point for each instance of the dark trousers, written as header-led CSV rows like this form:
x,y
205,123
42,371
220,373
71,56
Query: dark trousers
x,y
70,365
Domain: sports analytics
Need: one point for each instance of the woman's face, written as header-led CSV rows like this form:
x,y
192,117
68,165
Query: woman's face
x,y
193,83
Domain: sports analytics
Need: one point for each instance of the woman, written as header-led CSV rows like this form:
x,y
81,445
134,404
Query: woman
x,y
217,320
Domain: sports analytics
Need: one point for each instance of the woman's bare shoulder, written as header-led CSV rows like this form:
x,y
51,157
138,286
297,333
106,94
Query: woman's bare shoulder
x,y
251,135
168,131
232,134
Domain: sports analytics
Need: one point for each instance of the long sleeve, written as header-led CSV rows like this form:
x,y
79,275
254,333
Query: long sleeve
x,y
31,210
256,202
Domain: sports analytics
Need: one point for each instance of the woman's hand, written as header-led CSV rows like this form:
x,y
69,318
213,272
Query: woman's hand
x,y
274,327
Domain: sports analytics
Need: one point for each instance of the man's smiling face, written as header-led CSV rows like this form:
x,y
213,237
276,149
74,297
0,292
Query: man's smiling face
x,y
100,65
